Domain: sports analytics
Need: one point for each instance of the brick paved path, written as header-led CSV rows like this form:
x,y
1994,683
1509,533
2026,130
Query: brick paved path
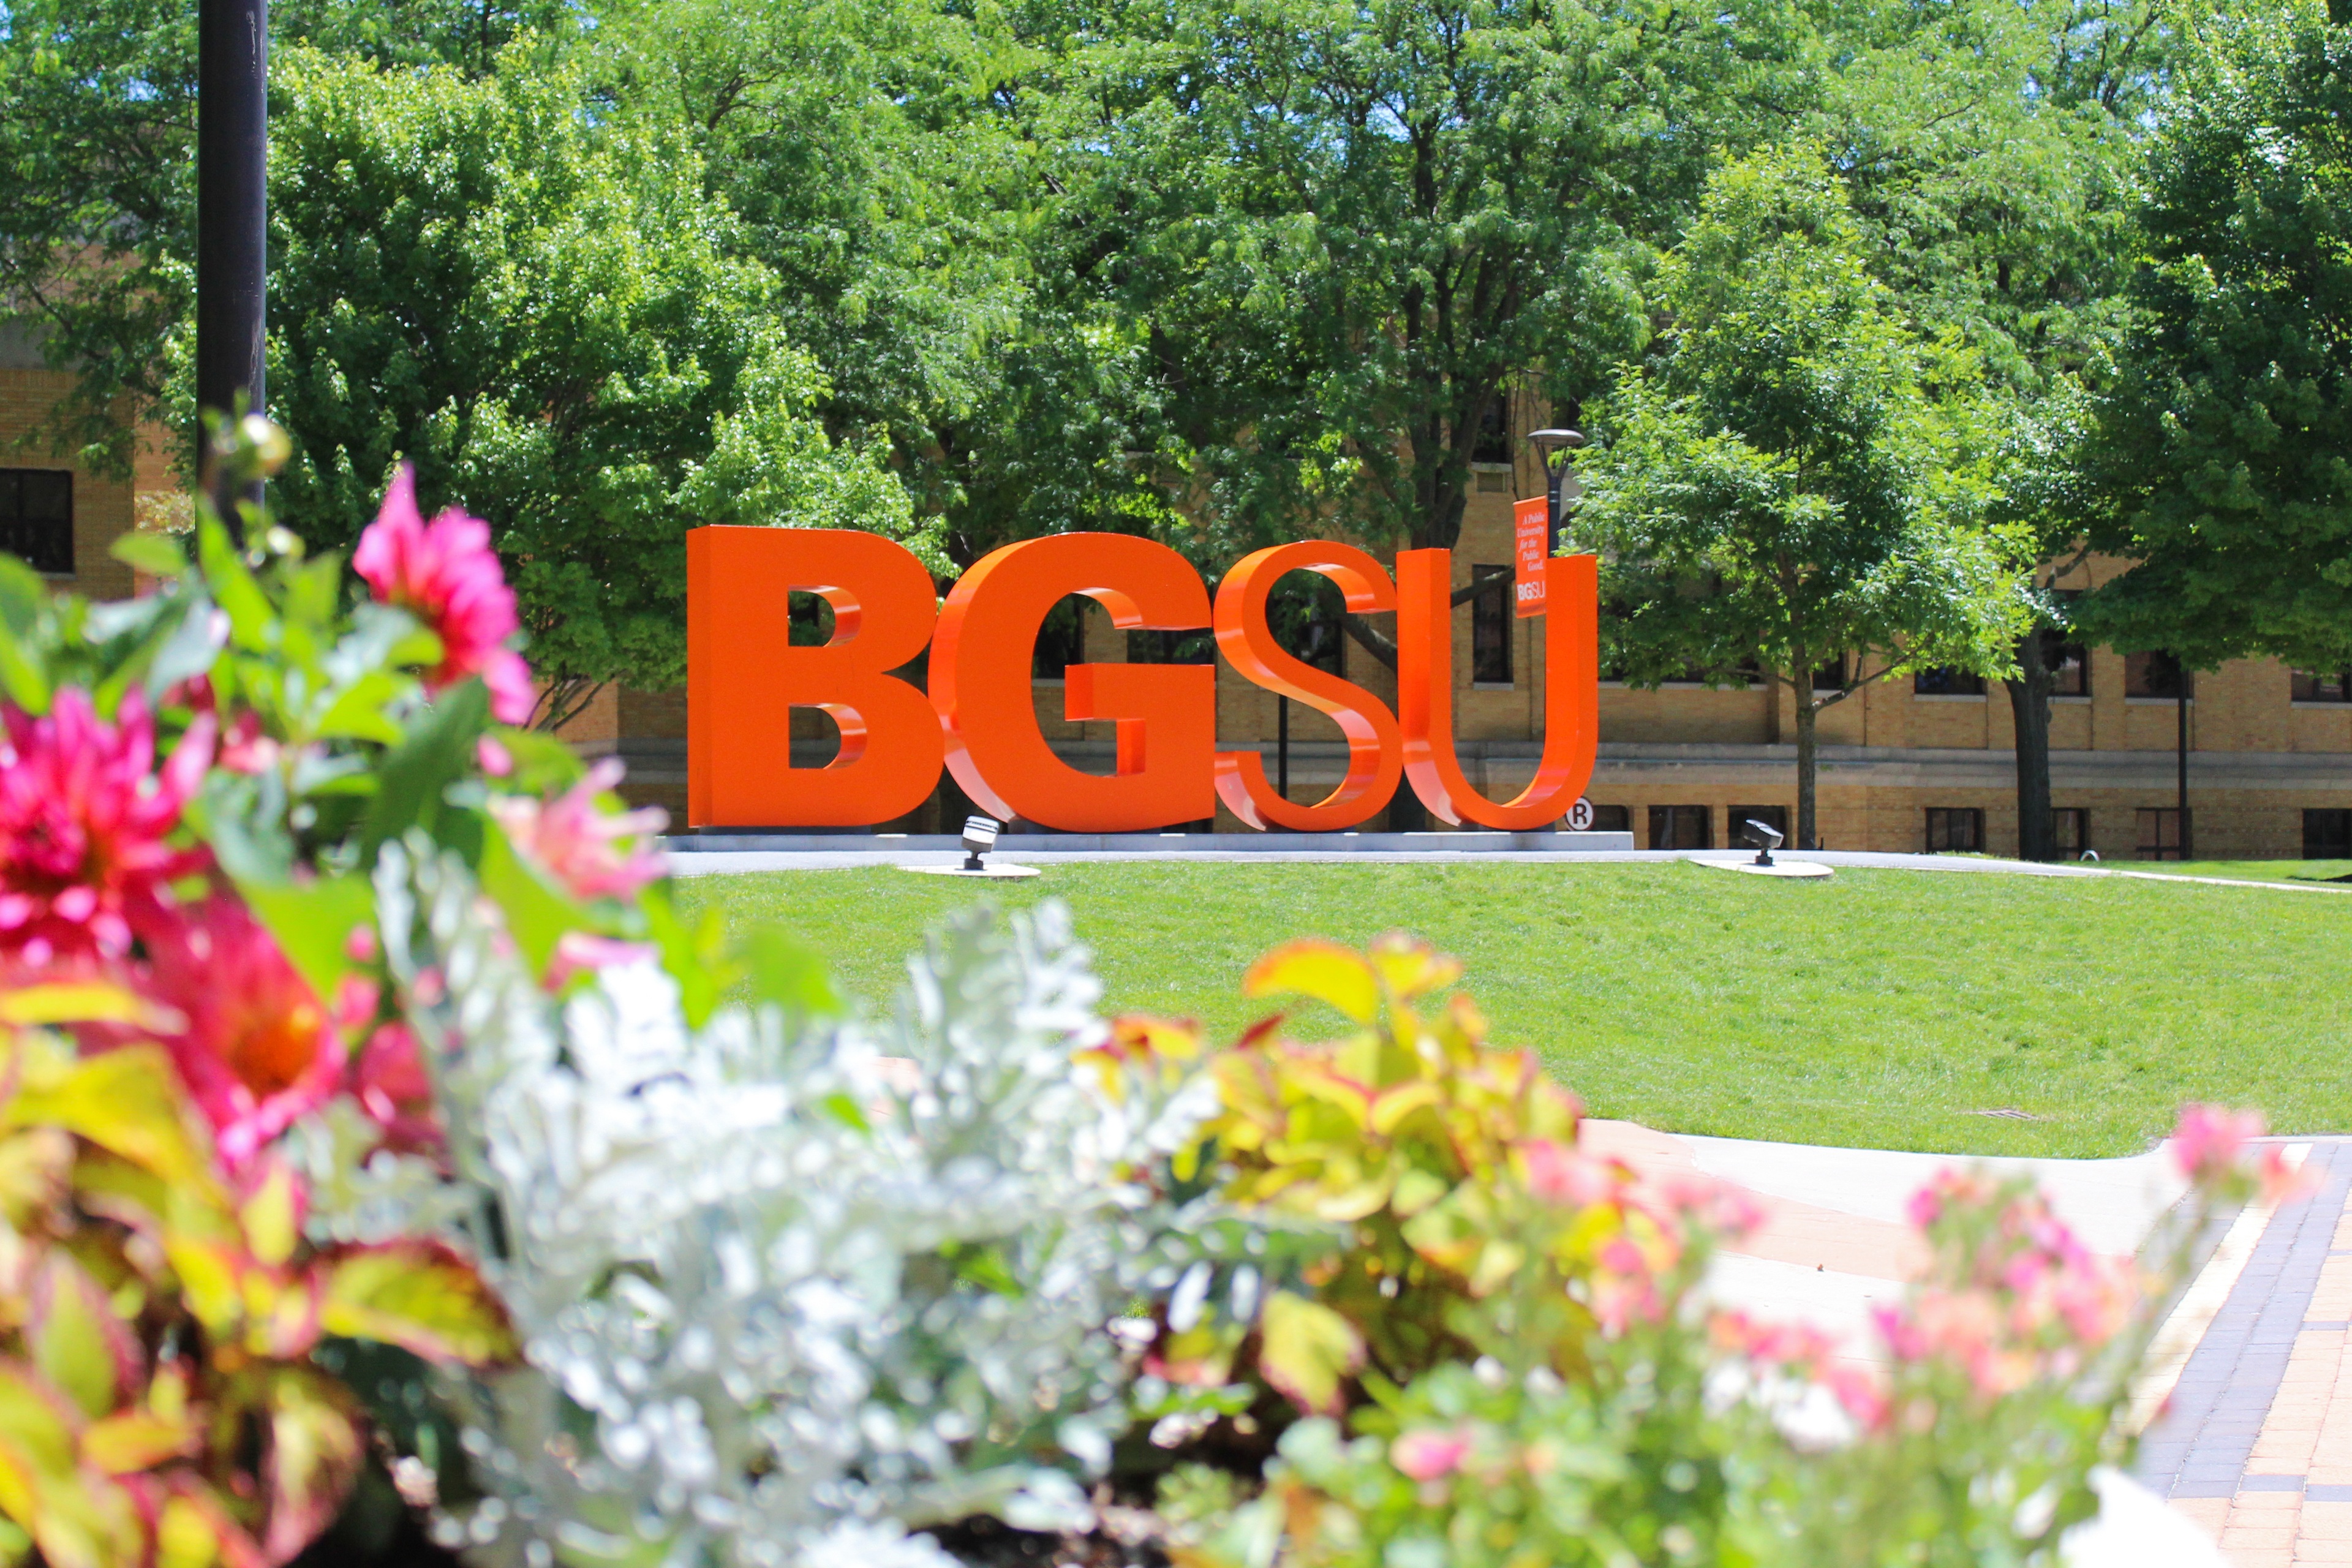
x,y
2257,1442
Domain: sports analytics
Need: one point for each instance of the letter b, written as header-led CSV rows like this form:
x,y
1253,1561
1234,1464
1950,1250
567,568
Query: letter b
x,y
744,678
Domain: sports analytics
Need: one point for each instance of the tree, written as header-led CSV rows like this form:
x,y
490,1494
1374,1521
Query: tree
x,y
541,312
1796,476
1987,148
2224,444
98,121
1345,230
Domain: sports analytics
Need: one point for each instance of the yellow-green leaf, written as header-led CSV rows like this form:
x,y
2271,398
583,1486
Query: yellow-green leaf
x,y
1308,1350
135,1440
76,1340
129,1102
418,1295
1323,970
82,1002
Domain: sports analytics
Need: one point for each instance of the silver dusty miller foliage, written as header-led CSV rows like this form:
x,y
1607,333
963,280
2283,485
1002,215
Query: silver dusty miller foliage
x,y
783,1302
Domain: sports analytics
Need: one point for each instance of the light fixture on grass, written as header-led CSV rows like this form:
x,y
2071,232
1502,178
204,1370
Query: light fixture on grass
x,y
979,838
1764,836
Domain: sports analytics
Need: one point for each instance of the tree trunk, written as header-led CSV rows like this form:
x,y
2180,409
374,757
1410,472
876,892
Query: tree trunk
x,y
2029,704
1808,717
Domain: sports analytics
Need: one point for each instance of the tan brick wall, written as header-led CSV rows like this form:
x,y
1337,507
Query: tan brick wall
x,y
103,508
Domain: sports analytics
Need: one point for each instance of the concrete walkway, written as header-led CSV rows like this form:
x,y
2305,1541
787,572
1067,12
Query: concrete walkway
x,y
868,851
2249,1390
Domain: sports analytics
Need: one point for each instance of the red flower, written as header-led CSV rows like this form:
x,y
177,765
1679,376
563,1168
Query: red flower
x,y
446,574
84,820
260,1049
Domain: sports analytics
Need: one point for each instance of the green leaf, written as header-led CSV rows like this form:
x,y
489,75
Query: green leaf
x,y
150,552
23,597
126,1100
1306,1351
77,1340
250,617
418,1295
694,956
314,922
315,1453
781,970
438,751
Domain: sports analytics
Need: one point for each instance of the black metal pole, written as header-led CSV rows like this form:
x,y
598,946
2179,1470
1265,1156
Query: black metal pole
x,y
1555,470
2180,715
232,208
1282,747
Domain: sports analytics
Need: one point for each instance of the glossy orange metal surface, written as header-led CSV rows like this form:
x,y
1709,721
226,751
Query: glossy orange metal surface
x,y
1375,750
1424,580
1166,714
744,678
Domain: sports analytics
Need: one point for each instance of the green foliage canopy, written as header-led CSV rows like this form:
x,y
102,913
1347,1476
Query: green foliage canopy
x,y
2224,445
1797,474
543,315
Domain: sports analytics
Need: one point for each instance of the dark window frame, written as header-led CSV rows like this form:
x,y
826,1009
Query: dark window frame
x,y
2332,841
1612,819
2304,686
2157,822
2069,663
2078,819
1942,681
1953,823
1668,821
44,541
1491,625
2156,676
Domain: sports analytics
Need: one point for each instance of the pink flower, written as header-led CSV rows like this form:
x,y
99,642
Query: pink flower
x,y
496,760
1560,1173
84,820
261,1050
583,953
446,574
2207,1139
389,1080
579,842
245,749
1426,1455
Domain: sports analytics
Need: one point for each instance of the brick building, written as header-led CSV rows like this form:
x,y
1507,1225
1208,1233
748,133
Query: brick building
x,y
1906,763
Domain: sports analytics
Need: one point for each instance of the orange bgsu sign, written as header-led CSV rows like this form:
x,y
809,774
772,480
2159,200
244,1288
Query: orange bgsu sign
x,y
979,718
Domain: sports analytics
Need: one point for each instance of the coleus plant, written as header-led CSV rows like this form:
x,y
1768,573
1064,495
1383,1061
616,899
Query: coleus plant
x,y
158,1402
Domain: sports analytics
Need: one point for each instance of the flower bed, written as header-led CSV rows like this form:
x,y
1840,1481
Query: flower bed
x,y
385,1155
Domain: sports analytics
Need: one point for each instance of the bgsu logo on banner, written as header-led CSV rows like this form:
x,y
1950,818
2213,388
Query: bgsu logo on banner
x,y
979,720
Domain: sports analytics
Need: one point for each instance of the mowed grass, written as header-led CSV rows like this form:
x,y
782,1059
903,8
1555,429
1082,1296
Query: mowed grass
x,y
1883,1009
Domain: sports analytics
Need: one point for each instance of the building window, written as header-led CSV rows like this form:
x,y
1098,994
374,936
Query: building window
x,y
1612,819
2155,674
1490,627
1682,828
1955,829
1493,442
2327,834
2070,830
1831,677
1772,816
2161,835
1947,683
2069,663
2322,685
37,517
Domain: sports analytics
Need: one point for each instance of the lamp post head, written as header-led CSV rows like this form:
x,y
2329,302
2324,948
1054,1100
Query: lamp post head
x,y
1551,441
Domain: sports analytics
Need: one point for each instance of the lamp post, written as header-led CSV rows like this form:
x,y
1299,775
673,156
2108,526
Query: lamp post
x,y
1552,447
232,206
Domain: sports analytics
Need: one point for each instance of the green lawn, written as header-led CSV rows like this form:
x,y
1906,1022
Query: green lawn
x,y
1881,1008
